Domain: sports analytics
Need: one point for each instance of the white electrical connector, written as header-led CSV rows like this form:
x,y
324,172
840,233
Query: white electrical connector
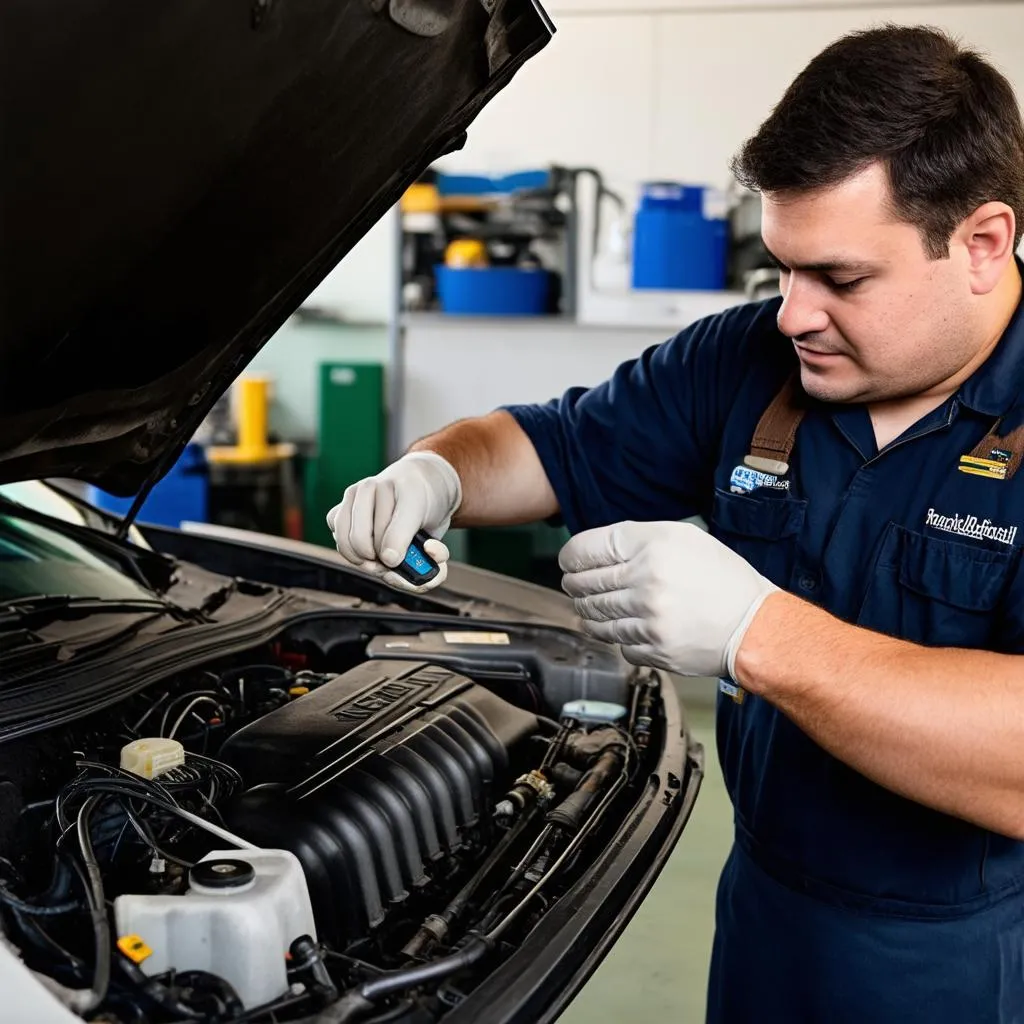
x,y
152,757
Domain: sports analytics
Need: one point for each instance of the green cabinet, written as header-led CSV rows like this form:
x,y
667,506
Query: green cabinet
x,y
351,439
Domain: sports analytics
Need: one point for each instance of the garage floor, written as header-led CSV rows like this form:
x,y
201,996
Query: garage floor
x,y
658,968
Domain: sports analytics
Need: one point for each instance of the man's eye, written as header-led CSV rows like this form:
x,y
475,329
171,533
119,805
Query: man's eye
x,y
845,286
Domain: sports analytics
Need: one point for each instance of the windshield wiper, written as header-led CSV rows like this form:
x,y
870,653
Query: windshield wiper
x,y
150,569
38,609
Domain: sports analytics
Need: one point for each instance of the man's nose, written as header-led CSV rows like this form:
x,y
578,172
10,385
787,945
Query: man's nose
x,y
801,311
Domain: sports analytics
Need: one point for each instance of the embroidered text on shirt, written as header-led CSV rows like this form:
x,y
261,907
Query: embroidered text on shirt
x,y
971,526
745,479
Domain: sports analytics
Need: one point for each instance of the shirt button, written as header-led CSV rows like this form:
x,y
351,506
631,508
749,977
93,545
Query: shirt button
x,y
807,583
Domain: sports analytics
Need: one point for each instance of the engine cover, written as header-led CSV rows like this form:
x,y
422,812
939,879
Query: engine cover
x,y
371,778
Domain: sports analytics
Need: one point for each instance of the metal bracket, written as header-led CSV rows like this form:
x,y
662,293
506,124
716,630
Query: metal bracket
x,y
774,466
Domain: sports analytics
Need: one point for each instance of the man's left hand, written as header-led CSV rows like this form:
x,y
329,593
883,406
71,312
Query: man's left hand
x,y
673,596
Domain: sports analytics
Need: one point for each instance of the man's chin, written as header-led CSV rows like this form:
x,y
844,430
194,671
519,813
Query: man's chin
x,y
832,387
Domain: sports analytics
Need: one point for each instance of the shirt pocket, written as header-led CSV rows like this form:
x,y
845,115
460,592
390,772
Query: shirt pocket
x,y
937,592
764,530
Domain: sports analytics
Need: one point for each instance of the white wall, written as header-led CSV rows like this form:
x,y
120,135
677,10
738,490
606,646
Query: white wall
x,y
646,89
457,367
672,90
361,286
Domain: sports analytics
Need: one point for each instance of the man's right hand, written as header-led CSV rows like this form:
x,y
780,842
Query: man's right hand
x,y
378,517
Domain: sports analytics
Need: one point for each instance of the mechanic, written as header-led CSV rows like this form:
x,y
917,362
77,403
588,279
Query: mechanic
x,y
855,447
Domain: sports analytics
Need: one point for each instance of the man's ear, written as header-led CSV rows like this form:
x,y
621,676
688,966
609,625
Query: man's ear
x,y
988,235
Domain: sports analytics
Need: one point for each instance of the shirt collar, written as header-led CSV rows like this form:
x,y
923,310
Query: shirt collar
x,y
993,387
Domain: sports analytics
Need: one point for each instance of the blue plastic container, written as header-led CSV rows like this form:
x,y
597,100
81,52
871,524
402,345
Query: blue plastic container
x,y
179,496
482,185
675,247
493,291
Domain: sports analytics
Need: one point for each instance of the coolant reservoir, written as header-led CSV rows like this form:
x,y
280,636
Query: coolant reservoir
x,y
152,756
241,912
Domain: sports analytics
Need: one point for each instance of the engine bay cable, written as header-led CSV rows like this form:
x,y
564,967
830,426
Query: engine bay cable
x,y
97,906
195,702
37,909
34,909
139,790
496,932
146,835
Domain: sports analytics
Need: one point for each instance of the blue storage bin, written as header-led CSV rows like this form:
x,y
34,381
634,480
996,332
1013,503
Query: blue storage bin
x,y
483,185
181,494
493,291
675,247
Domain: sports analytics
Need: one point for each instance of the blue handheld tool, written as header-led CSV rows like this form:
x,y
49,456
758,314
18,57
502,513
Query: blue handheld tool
x,y
417,567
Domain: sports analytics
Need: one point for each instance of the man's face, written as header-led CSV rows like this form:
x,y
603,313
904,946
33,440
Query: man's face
x,y
871,316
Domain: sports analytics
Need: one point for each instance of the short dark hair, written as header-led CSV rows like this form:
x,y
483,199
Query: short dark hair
x,y
943,121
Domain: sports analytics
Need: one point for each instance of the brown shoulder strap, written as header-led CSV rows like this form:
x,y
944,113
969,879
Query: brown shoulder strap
x,y
997,456
775,433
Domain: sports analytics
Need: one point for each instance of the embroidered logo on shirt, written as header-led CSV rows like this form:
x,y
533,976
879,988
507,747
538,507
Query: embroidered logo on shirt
x,y
744,479
971,526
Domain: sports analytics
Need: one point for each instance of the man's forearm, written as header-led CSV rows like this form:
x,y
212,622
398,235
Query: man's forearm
x,y
942,726
503,481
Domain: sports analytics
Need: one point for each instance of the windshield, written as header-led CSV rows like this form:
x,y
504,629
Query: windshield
x,y
43,498
35,560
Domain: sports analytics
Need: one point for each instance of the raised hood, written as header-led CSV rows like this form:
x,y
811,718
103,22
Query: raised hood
x,y
177,175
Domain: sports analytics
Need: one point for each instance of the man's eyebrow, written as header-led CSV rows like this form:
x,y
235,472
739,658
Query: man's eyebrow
x,y
837,265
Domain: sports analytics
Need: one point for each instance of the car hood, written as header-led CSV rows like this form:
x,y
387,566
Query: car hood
x,y
178,177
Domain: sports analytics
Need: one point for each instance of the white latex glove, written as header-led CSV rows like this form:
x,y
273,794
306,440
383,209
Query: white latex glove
x,y
379,516
669,593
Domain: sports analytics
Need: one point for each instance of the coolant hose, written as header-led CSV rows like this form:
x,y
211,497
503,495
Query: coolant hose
x,y
435,928
361,1001
570,814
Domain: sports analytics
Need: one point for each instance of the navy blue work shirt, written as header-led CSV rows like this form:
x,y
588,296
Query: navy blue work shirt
x,y
899,541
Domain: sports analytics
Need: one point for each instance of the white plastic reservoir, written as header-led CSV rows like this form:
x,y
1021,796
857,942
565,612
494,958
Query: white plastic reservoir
x,y
242,911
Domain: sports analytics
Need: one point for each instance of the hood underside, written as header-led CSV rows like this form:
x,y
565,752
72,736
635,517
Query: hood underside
x,y
177,177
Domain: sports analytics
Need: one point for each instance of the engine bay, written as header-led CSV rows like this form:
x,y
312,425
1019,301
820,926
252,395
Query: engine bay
x,y
318,829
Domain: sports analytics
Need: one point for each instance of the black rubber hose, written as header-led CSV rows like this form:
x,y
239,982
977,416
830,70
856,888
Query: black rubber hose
x,y
443,921
36,909
556,746
308,961
98,906
361,1002
570,814
564,777
169,1000
435,928
398,981
458,904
